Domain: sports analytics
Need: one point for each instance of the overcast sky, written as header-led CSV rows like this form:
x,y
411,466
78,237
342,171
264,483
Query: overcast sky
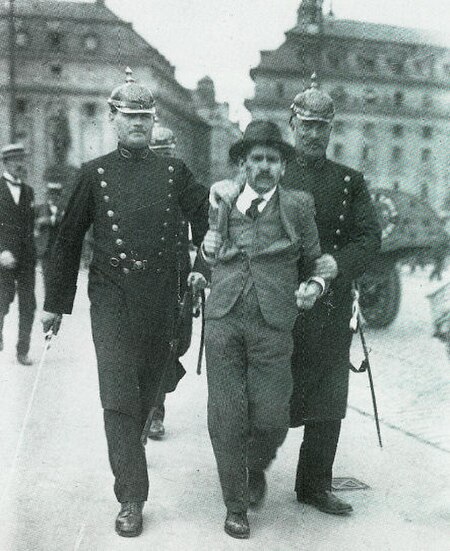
x,y
222,38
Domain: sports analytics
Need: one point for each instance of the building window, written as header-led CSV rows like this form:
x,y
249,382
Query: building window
x,y
425,155
398,99
397,130
56,70
427,132
280,89
395,65
397,154
367,63
55,39
427,101
369,130
396,186
424,191
21,106
339,127
370,96
368,158
22,39
89,110
339,95
338,151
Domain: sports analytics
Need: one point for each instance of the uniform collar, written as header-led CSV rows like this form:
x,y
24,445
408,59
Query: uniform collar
x,y
126,153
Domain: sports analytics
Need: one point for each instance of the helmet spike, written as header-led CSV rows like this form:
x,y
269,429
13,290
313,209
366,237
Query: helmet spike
x,y
314,83
129,78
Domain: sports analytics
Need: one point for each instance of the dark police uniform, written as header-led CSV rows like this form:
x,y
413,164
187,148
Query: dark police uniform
x,y
349,231
138,204
16,236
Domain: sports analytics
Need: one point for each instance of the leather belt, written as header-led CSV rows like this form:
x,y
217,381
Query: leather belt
x,y
130,263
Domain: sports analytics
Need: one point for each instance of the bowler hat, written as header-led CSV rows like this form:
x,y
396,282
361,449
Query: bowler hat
x,y
132,98
261,133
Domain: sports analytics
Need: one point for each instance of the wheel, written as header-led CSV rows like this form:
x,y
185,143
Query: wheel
x,y
380,293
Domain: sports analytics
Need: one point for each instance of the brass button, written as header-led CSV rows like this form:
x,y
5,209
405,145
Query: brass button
x,y
115,227
165,224
344,203
170,181
335,247
158,270
183,222
103,184
169,196
114,262
346,191
100,170
167,209
347,178
110,213
138,264
179,243
338,232
125,270
171,169
106,198
122,256
341,217
163,238
160,253
119,242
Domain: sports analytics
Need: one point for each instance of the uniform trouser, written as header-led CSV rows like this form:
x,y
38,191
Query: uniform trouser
x,y
317,453
22,280
123,435
249,387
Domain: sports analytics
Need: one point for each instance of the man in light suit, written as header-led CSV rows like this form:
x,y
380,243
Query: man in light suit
x,y
250,314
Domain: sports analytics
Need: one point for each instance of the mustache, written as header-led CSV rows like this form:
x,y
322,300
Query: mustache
x,y
264,174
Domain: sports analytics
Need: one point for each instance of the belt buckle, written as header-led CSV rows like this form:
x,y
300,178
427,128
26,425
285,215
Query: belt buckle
x,y
114,262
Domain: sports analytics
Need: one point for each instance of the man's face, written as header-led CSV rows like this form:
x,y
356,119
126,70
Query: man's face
x,y
311,137
133,130
264,166
16,166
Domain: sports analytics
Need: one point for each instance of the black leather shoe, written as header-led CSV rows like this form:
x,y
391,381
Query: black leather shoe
x,y
157,429
237,526
24,359
326,502
129,519
257,487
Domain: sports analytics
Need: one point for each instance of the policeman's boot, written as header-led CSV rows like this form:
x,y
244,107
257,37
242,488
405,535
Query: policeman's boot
x,y
129,519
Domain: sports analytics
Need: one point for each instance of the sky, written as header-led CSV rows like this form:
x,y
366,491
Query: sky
x,y
223,38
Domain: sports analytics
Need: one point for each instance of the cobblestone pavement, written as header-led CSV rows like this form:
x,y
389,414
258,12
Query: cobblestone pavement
x,y
411,369
56,486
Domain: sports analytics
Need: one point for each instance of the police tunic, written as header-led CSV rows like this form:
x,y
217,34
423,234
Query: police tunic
x,y
348,230
138,204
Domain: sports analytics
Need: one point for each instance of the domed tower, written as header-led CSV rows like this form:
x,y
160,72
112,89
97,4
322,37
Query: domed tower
x,y
309,14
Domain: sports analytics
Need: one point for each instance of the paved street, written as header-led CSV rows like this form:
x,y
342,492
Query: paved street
x,y
56,486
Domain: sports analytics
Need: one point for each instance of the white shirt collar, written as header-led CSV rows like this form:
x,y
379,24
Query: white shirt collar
x,y
251,194
9,178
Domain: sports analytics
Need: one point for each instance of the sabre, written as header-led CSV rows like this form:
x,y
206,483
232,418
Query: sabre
x,y
356,323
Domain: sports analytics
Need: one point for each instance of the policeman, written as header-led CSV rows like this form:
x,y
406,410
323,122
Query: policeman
x,y
49,216
17,249
350,239
138,204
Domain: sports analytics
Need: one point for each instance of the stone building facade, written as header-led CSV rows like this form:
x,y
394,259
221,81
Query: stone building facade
x,y
391,86
68,58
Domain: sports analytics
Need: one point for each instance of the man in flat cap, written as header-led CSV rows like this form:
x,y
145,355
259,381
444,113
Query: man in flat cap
x,y
350,239
250,314
138,204
17,249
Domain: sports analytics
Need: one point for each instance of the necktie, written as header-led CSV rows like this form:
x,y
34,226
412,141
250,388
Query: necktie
x,y
252,211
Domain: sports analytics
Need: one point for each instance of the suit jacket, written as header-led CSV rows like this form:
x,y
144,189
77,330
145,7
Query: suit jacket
x,y
17,224
271,261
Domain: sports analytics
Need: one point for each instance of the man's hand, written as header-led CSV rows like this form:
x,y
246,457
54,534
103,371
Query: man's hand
x,y
212,243
50,320
7,260
197,282
326,267
307,294
227,190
